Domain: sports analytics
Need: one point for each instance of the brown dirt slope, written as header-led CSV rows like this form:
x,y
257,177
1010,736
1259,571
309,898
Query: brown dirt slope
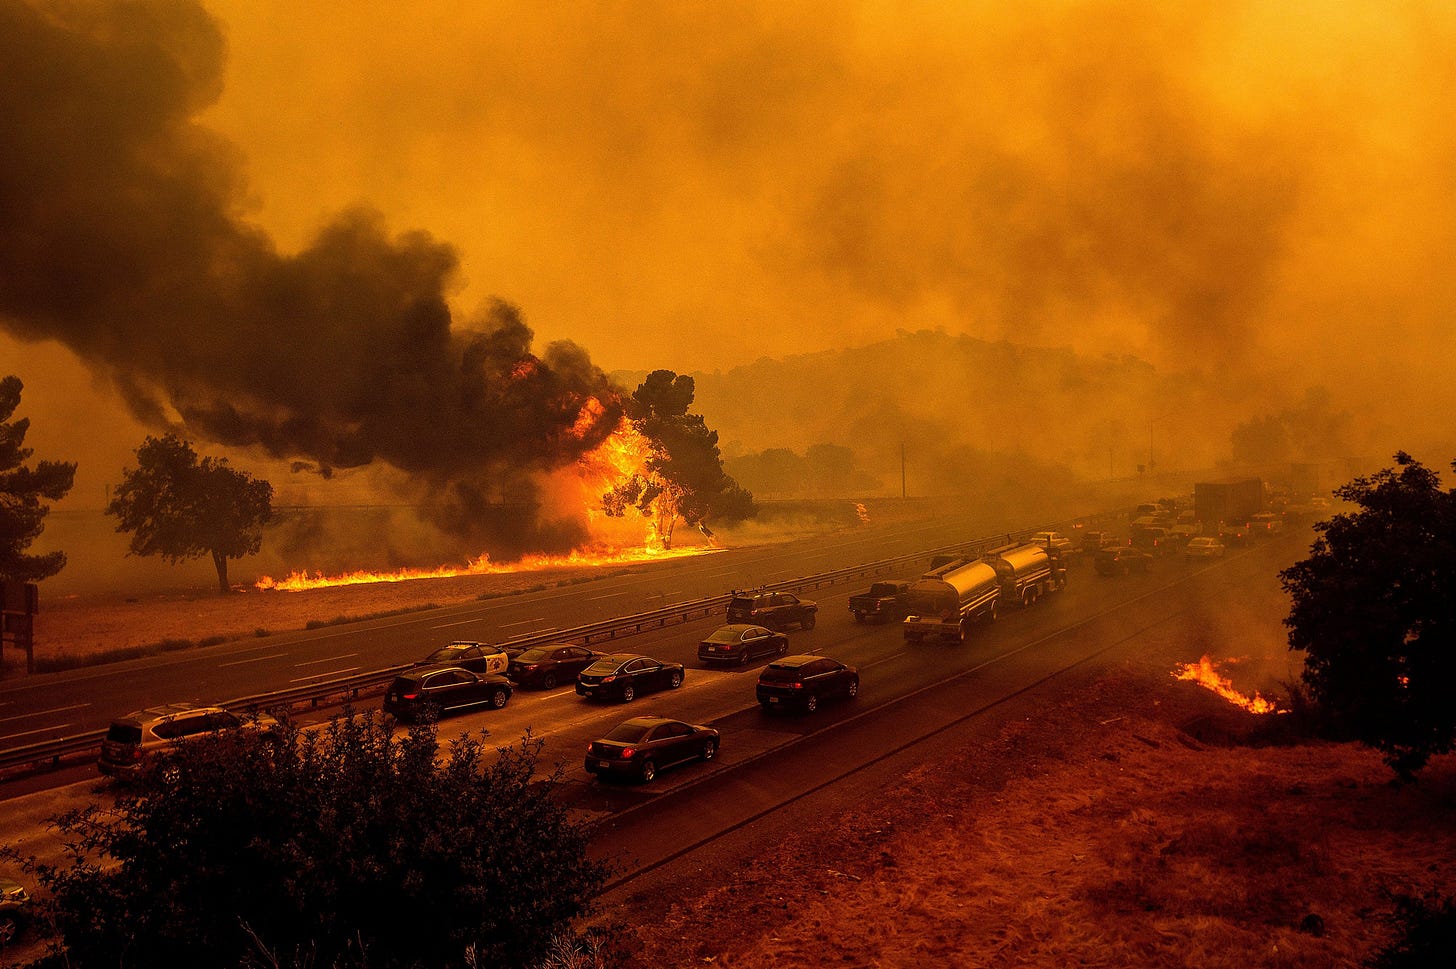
x,y
1098,835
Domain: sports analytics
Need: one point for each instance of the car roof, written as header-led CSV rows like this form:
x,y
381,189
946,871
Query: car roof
x,y
164,710
793,662
421,671
650,720
737,627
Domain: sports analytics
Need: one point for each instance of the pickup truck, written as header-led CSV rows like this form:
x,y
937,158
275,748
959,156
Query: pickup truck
x,y
885,601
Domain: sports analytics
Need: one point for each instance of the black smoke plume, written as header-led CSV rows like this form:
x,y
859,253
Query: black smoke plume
x,y
123,236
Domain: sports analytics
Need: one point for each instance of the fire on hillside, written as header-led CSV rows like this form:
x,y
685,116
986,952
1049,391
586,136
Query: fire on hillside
x,y
613,541
1205,673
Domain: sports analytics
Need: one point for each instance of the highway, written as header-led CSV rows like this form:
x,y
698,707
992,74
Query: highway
x,y
51,705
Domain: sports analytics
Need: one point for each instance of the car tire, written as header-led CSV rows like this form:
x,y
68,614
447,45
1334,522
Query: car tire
x,y
648,771
548,682
499,698
811,703
675,680
784,648
809,620
991,613
766,705
628,695
853,690
859,617
710,750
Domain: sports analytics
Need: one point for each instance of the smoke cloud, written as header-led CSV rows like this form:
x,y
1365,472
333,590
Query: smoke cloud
x,y
124,238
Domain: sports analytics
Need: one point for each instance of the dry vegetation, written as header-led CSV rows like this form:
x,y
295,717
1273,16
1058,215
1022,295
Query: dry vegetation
x,y
1101,834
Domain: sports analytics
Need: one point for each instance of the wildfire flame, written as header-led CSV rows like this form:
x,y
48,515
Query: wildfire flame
x,y
863,515
624,453
1205,673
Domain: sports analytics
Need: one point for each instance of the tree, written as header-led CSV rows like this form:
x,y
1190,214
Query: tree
x,y
179,507
1373,611
22,488
684,479
345,846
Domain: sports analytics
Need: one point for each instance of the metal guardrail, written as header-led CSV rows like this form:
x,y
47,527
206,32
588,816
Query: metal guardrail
x,y
347,689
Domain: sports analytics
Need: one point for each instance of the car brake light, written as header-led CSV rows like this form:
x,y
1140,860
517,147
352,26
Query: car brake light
x,y
608,679
628,751
409,696
798,685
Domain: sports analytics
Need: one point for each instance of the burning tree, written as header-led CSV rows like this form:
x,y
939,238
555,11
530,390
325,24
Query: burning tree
x,y
1373,611
683,478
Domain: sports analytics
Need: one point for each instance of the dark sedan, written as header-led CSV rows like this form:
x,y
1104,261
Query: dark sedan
x,y
433,691
547,666
802,681
622,676
642,746
740,643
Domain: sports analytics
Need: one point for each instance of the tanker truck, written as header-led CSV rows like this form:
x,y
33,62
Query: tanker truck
x,y
944,602
1027,572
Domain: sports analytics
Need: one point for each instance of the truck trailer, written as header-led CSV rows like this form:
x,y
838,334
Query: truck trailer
x,y
946,601
1027,572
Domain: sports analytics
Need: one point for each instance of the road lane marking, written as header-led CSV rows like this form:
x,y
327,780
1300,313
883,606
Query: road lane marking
x,y
314,676
326,659
255,659
41,713
508,625
27,733
609,595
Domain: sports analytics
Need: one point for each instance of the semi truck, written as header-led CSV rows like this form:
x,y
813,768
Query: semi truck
x,y
947,601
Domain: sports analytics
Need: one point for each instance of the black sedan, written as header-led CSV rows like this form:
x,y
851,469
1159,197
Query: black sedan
x,y
643,745
802,681
546,666
433,691
624,675
740,643
475,657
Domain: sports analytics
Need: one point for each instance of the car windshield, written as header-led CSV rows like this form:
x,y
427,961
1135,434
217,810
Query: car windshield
x,y
629,733
405,683
535,655
774,673
446,654
126,733
725,635
884,589
742,602
603,666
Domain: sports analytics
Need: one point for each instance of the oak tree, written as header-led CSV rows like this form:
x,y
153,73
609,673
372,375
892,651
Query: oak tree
x,y
1373,611
181,507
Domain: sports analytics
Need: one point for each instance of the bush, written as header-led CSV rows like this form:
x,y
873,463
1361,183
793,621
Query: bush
x,y
343,846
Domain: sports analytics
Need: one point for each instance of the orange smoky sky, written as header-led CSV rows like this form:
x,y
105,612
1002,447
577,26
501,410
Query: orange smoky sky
x,y
1223,186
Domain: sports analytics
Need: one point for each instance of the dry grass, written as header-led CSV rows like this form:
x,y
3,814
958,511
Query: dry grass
x,y
1130,845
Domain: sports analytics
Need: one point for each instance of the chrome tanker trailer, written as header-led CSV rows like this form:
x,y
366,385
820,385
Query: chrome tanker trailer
x,y
946,601
1027,572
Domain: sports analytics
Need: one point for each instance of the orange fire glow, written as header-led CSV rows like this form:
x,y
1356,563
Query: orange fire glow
x,y
623,454
1205,673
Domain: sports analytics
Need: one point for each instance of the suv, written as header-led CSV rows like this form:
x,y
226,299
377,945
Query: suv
x,y
1053,541
132,739
776,610
802,681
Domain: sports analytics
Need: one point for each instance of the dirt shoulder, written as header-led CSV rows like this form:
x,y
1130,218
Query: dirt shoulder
x,y
1099,834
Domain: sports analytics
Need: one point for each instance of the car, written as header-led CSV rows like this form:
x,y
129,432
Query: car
x,y
14,910
802,681
1266,524
642,746
776,610
475,657
1203,547
1150,538
1234,534
131,741
547,666
624,675
738,643
1121,561
430,692
1052,541
1094,541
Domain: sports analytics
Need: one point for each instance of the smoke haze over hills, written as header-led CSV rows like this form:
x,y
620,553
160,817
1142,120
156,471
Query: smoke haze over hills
x,y
301,233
